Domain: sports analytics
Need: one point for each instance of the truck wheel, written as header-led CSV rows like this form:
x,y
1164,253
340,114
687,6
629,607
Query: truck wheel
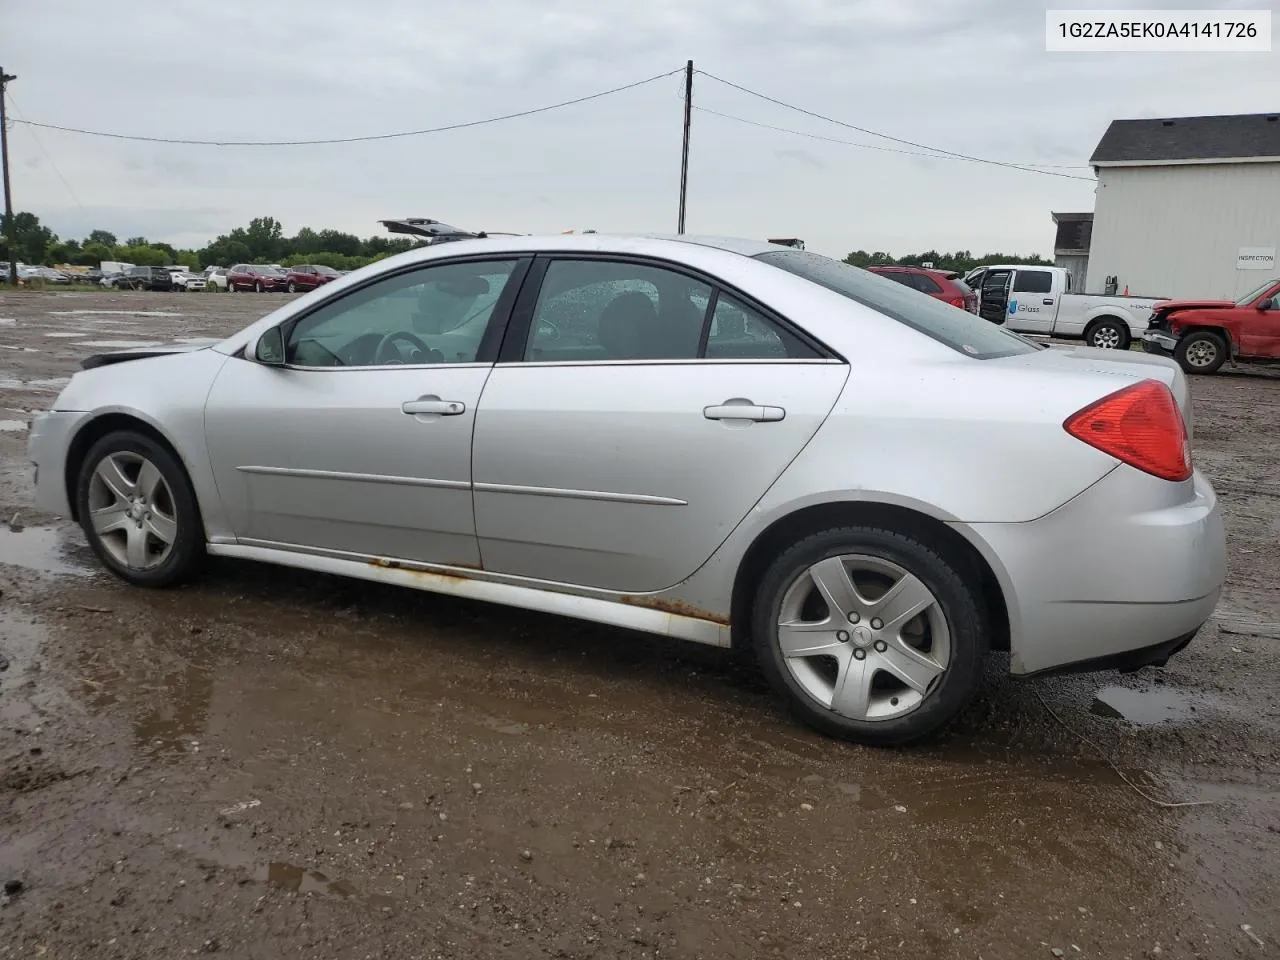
x,y
1109,333
1201,351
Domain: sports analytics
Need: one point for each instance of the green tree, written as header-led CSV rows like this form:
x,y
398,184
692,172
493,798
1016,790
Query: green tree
x,y
136,242
104,237
264,238
94,252
31,241
334,241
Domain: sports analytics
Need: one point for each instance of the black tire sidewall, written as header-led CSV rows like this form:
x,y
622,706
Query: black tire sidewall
x,y
1180,353
189,547
961,605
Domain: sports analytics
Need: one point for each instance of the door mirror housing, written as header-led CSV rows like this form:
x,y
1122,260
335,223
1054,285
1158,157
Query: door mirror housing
x,y
269,349
1267,304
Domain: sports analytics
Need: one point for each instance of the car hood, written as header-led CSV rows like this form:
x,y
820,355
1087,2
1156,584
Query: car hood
x,y
141,353
1194,304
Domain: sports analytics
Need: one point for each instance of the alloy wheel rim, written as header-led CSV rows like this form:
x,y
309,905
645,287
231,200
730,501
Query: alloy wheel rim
x,y
131,509
1201,353
863,637
1107,338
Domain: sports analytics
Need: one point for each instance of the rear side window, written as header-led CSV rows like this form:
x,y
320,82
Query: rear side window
x,y
925,283
961,331
1032,281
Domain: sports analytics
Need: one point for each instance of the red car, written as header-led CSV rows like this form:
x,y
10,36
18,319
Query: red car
x,y
308,276
1202,335
255,276
944,285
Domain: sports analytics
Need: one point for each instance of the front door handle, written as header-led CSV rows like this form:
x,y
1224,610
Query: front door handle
x,y
740,408
1047,301
431,404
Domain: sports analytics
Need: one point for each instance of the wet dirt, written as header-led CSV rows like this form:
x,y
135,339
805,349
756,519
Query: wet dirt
x,y
270,762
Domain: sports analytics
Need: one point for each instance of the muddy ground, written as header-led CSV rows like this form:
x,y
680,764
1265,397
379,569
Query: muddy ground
x,y
273,763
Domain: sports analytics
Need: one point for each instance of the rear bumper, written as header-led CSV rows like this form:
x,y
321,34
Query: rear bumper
x,y
1099,584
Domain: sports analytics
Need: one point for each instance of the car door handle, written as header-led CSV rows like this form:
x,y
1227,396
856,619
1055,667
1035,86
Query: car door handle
x,y
741,409
1047,301
433,405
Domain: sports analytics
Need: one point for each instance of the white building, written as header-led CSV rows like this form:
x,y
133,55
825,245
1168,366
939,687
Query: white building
x,y
1186,207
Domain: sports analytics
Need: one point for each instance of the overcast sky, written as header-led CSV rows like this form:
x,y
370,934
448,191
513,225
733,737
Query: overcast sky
x,y
970,76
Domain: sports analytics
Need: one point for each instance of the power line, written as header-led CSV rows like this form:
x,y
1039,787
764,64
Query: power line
x,y
379,136
872,146
48,156
885,136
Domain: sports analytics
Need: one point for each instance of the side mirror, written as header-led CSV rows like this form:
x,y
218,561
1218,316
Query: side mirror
x,y
1268,304
270,348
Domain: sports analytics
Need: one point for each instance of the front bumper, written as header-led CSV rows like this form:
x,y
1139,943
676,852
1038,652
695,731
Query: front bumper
x,y
1120,575
1159,343
48,441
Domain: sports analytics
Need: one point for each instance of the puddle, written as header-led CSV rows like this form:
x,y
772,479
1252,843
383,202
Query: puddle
x,y
12,426
118,313
51,383
38,548
7,321
285,876
63,333
118,343
1143,707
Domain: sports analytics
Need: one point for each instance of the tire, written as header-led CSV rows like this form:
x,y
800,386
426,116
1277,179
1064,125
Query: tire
x,y
154,541
292,287
1201,351
231,287
1109,333
257,287
953,625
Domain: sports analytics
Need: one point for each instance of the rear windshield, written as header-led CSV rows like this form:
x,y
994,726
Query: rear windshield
x,y
958,329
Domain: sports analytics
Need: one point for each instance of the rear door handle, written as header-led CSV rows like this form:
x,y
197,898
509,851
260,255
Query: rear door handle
x,y
432,404
742,409
1047,301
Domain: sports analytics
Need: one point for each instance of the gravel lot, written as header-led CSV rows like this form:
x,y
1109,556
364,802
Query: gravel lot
x,y
271,762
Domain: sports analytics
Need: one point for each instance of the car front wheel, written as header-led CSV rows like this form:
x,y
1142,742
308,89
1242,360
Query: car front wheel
x,y
871,635
138,511
1201,351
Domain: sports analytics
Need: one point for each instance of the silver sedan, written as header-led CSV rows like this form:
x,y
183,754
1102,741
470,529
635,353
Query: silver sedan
x,y
725,441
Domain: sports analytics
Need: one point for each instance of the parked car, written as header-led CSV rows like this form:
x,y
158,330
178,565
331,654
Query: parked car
x,y
143,278
216,277
308,276
944,285
49,275
1202,335
564,424
185,281
1037,299
255,276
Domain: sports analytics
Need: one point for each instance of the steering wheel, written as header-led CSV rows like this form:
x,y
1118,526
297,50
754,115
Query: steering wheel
x,y
384,354
547,331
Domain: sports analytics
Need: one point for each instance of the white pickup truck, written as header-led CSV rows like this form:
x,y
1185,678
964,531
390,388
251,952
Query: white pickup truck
x,y
1033,299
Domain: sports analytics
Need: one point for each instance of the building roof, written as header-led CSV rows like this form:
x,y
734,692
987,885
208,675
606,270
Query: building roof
x,y
1251,136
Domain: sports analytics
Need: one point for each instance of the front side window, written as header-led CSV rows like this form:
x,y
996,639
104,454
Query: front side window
x,y
957,329
436,314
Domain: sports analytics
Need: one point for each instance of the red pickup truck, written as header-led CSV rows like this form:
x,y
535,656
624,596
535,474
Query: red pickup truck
x,y
1202,335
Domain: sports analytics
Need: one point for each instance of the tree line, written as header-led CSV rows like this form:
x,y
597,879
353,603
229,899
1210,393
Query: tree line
x,y
262,241
961,261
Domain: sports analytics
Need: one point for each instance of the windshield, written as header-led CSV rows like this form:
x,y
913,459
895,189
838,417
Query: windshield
x,y
958,329
1253,295
266,269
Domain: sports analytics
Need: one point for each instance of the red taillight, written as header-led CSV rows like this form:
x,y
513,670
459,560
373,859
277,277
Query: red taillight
x,y
1139,425
957,302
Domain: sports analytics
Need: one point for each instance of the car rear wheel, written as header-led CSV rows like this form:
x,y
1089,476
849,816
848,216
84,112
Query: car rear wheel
x,y
138,511
1201,351
1109,333
293,287
870,635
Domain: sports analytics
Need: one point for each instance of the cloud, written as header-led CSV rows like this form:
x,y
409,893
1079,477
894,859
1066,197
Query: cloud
x,y
968,75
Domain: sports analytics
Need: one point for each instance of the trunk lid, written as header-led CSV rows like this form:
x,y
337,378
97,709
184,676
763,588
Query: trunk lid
x,y
1127,364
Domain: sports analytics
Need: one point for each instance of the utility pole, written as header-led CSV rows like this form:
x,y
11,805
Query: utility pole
x,y
4,163
684,156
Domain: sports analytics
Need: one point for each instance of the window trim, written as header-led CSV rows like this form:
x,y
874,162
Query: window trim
x,y
486,352
516,337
